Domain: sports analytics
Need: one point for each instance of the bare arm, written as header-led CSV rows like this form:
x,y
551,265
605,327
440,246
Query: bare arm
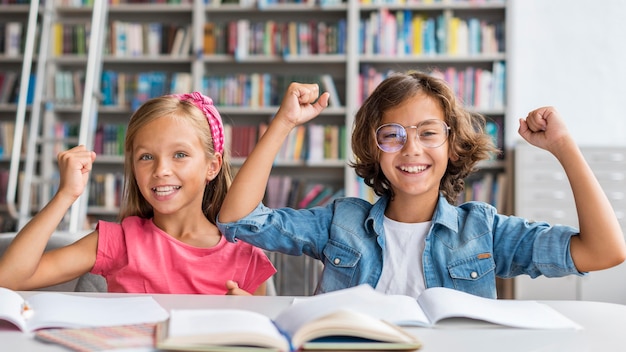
x,y
24,265
600,244
234,290
249,184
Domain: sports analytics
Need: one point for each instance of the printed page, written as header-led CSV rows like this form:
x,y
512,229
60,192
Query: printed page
x,y
11,305
221,327
74,311
400,310
441,303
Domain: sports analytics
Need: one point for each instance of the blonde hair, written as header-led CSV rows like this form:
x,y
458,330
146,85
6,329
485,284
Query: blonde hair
x,y
133,202
467,139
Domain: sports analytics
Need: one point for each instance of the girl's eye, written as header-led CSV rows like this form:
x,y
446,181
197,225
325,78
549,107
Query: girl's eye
x,y
145,157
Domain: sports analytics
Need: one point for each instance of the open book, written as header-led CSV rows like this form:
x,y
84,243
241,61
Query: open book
x,y
243,330
60,310
432,306
357,318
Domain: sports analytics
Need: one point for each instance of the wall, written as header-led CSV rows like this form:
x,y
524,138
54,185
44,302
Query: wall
x,y
569,54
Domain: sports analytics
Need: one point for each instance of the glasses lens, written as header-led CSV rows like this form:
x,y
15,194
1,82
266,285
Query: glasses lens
x,y
390,137
432,133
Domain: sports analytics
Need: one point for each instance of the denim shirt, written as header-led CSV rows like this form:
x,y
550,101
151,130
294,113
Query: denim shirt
x,y
467,247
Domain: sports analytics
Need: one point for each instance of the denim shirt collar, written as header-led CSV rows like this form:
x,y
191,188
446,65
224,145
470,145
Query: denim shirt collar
x,y
445,215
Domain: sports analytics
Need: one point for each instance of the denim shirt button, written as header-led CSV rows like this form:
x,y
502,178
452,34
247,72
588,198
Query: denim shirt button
x,y
473,274
337,261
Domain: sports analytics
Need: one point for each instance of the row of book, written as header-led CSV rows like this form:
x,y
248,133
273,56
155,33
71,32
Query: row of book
x,y
105,190
406,32
477,88
488,187
494,127
14,2
245,90
147,39
385,32
7,137
262,89
83,3
312,143
12,38
268,3
417,2
10,87
133,89
297,193
70,38
69,87
108,138
271,38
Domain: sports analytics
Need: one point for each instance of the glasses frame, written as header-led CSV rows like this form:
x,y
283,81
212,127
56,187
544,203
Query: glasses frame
x,y
416,127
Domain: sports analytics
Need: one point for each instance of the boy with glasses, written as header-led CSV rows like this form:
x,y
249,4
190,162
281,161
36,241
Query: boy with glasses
x,y
414,144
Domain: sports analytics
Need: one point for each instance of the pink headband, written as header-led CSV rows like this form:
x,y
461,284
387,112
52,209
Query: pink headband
x,y
205,104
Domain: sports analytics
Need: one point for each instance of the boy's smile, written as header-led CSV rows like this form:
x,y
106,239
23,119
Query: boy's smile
x,y
415,171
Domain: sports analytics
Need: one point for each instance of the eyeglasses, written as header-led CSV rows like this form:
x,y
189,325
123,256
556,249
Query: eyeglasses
x,y
391,137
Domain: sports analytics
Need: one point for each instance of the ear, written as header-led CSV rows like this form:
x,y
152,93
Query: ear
x,y
214,167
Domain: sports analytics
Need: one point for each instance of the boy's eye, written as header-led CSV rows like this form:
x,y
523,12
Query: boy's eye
x,y
391,135
180,155
430,133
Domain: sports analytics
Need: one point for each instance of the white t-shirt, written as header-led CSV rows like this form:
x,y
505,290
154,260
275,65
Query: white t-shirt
x,y
402,259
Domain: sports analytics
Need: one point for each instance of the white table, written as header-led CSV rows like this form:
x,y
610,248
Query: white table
x,y
604,327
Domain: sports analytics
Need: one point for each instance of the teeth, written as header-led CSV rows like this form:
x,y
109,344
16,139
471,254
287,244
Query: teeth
x,y
164,190
413,169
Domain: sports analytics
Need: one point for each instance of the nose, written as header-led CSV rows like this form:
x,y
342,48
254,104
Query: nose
x,y
162,168
412,146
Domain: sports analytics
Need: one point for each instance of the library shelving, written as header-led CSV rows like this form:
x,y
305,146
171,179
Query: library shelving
x,y
244,53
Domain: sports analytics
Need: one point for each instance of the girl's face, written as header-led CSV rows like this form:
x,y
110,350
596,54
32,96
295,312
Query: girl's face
x,y
415,170
171,166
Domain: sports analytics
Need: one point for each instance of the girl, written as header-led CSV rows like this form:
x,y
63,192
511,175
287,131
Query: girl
x,y
176,178
414,144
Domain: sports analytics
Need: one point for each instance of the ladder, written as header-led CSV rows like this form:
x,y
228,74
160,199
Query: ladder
x,y
43,177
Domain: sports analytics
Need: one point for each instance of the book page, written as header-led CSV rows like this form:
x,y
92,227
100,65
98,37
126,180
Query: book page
x,y
74,311
400,310
221,327
11,305
355,331
441,303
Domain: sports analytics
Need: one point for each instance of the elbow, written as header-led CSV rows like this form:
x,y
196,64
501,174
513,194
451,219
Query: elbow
x,y
620,255
614,257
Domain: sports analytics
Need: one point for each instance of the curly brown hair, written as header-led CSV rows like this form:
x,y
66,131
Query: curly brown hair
x,y
133,202
467,138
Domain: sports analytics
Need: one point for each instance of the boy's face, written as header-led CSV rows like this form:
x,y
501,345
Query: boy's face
x,y
415,171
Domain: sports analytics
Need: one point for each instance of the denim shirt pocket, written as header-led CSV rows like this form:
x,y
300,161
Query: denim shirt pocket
x,y
474,275
340,265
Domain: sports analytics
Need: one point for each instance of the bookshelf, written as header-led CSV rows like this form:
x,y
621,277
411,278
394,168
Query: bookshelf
x,y
258,47
13,24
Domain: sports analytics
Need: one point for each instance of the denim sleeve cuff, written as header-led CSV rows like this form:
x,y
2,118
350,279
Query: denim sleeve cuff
x,y
252,222
551,263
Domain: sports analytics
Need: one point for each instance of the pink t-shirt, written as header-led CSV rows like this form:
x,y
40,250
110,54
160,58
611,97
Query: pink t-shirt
x,y
138,257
